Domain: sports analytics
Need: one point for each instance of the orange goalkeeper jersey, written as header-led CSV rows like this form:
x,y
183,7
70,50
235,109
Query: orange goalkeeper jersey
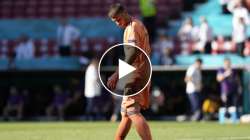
x,y
136,34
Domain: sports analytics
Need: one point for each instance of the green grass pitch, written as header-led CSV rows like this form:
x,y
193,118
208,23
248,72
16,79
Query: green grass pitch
x,y
161,130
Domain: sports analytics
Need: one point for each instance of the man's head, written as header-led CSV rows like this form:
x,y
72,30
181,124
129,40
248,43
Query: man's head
x,y
119,15
57,89
189,21
203,19
95,61
24,38
227,63
198,63
13,90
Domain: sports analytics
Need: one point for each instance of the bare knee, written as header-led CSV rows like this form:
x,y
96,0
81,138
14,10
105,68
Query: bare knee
x,y
141,126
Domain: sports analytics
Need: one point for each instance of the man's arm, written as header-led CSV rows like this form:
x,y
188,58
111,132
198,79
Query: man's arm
x,y
221,76
187,78
130,54
189,74
75,33
58,32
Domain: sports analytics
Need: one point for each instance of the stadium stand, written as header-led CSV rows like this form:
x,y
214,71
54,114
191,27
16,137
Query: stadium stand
x,y
77,8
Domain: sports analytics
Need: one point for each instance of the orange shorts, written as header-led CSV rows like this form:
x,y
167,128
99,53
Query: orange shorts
x,y
133,104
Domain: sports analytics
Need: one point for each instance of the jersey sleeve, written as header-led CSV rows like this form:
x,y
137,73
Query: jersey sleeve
x,y
133,37
190,71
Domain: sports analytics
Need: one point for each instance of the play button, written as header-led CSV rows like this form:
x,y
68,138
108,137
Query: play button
x,y
122,76
124,69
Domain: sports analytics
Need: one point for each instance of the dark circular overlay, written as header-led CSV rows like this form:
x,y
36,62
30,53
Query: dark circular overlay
x,y
132,83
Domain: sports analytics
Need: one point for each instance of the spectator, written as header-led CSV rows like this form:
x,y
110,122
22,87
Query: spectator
x,y
218,45
59,103
165,45
15,103
239,36
228,80
75,106
92,88
210,107
188,35
157,100
155,56
229,45
116,108
238,11
148,10
194,84
222,45
25,49
240,21
205,37
66,34
186,31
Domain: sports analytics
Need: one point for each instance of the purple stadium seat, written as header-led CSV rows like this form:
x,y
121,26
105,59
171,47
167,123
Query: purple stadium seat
x,y
30,12
37,46
52,48
11,45
76,8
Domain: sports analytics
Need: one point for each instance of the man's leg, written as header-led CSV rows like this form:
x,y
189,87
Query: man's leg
x,y
60,110
49,111
6,111
141,126
89,109
123,128
19,111
192,101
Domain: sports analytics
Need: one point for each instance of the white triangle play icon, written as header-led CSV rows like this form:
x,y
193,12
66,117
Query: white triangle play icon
x,y
125,68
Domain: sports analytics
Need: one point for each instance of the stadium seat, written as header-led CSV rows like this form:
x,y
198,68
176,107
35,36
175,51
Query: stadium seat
x,y
11,45
31,12
44,47
52,48
75,8
84,45
37,47
3,48
76,48
6,13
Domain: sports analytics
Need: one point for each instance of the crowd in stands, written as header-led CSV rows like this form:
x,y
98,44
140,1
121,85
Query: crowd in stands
x,y
190,39
200,39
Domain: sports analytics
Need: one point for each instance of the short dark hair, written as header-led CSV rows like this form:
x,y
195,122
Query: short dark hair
x,y
198,60
115,9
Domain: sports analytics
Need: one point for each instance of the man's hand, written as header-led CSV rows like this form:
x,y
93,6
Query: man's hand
x,y
112,81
